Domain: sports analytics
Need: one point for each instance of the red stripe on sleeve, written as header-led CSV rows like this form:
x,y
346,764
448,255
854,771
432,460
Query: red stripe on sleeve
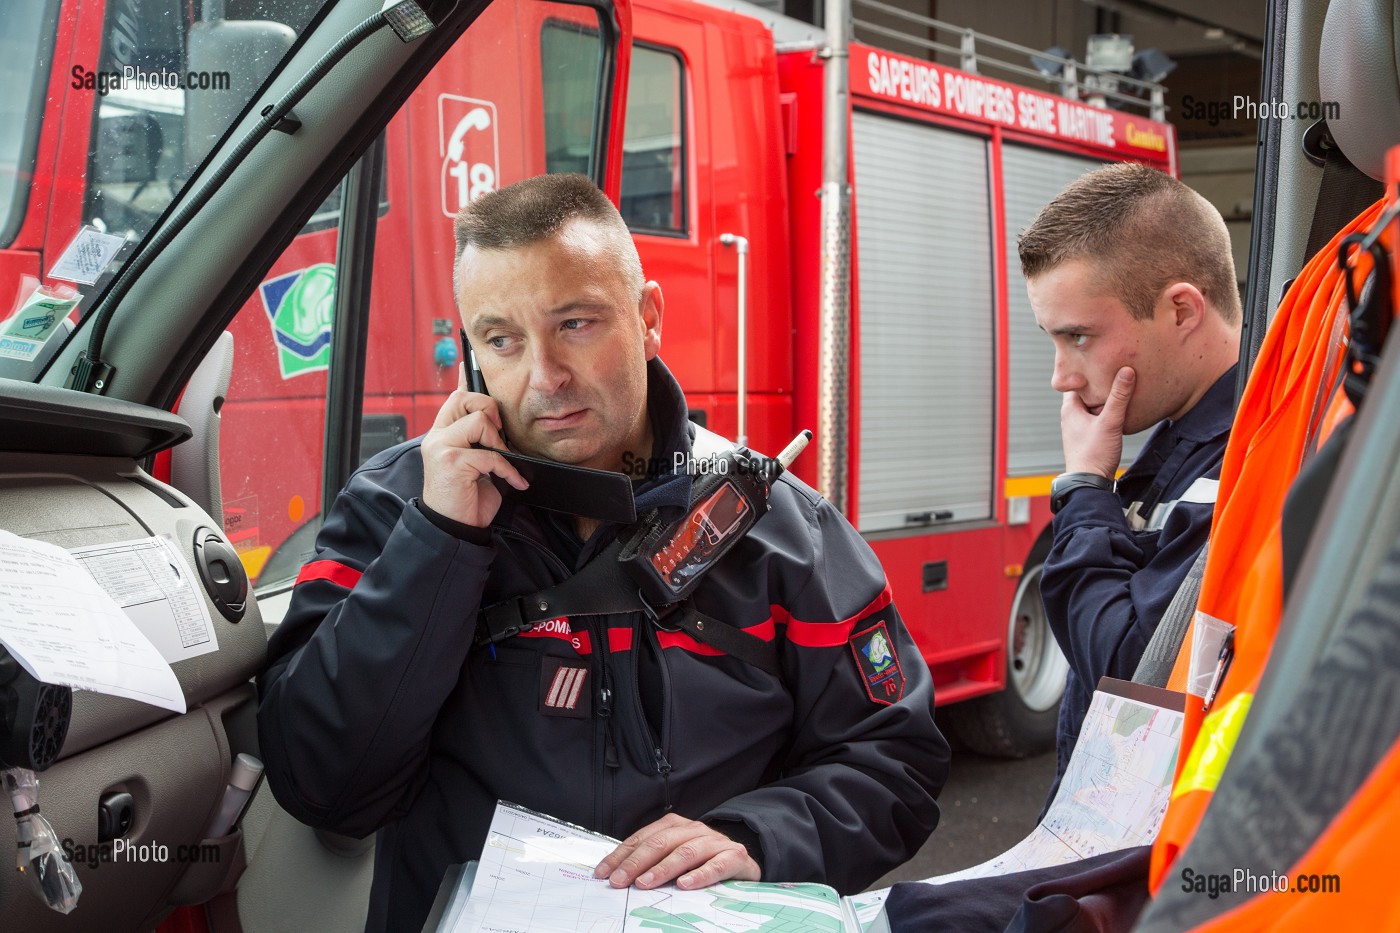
x,y
828,634
336,573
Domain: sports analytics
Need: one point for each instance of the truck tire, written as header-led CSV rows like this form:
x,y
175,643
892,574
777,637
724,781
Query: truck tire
x,y
287,560
1019,721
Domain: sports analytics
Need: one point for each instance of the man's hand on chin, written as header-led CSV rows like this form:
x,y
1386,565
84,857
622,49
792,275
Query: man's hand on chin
x,y
1094,442
673,847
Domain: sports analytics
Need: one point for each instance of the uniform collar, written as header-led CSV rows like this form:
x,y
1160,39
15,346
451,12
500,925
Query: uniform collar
x,y
669,413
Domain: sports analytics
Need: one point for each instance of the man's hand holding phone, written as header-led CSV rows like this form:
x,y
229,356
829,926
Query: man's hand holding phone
x,y
456,475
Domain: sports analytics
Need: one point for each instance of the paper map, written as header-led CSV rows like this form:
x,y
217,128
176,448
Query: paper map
x,y
1115,789
536,875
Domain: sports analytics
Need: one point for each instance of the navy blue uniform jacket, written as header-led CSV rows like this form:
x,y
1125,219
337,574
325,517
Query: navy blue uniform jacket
x,y
377,712
1118,557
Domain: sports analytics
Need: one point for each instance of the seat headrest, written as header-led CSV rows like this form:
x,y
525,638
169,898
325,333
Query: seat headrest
x,y
1359,68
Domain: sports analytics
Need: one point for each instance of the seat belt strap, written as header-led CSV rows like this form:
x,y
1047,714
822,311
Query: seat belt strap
x,y
1345,192
1157,661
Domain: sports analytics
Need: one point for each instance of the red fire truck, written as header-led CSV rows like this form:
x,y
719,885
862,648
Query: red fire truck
x,y
940,429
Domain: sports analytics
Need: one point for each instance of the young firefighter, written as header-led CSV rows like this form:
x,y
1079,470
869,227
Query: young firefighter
x,y
1130,274
380,713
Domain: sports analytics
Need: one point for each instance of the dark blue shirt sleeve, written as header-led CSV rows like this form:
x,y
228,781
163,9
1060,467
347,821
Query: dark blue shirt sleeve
x,y
1106,586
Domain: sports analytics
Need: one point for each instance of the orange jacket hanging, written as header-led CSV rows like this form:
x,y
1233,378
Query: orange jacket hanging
x,y
1288,407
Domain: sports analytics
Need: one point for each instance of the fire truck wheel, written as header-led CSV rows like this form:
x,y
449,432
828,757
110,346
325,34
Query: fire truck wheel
x,y
287,560
1019,721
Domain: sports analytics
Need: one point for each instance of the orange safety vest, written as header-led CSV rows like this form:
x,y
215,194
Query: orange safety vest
x,y
1355,847
1285,413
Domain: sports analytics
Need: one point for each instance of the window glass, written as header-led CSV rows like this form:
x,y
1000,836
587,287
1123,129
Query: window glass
x,y
653,169
26,54
126,117
273,423
571,75
171,77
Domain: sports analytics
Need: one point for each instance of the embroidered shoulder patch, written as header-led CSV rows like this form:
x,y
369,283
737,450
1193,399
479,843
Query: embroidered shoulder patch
x,y
878,664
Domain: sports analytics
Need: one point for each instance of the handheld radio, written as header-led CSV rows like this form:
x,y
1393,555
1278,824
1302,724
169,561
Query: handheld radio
x,y
668,560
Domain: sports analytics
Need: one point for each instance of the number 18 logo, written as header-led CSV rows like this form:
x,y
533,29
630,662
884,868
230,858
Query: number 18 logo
x,y
468,146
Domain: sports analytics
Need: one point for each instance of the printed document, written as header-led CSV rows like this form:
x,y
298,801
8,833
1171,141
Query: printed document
x,y
1113,796
63,628
155,587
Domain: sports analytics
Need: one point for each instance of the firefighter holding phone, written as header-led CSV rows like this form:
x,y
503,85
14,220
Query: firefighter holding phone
x,y
725,684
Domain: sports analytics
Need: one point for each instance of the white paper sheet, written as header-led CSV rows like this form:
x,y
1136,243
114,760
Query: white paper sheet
x,y
87,257
156,588
536,876
63,628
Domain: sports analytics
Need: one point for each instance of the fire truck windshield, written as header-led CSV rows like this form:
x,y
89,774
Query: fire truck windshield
x,y
101,130
27,43
168,80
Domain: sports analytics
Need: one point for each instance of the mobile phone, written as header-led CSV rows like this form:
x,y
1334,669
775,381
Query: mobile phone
x,y
475,381
575,490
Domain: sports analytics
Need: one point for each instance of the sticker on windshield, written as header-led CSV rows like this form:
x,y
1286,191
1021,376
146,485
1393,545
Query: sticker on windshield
x,y
299,307
87,256
24,333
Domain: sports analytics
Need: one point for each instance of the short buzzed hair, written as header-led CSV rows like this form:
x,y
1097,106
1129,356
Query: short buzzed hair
x,y
538,208
1141,230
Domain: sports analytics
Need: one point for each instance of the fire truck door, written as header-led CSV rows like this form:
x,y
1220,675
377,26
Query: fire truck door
x,y
667,198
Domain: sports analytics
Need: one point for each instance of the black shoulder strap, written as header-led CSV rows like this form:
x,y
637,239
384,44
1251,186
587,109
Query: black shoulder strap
x,y
602,587
723,636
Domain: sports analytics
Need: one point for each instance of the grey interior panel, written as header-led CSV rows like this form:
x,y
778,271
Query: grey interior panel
x,y
174,766
48,419
194,466
331,893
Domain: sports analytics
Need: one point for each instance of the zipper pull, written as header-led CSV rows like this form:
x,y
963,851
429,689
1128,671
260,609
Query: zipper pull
x,y
663,768
610,750
605,712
